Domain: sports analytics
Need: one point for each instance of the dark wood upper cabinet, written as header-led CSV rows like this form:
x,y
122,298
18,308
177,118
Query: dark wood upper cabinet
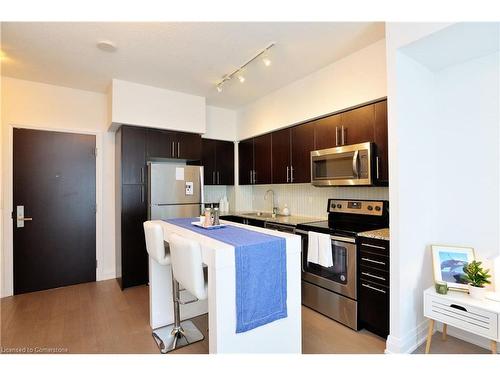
x,y
326,132
381,144
302,143
133,155
357,125
224,163
160,143
245,164
262,159
281,156
208,156
187,146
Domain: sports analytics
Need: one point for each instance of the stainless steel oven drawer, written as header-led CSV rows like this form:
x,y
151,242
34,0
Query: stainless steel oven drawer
x,y
342,309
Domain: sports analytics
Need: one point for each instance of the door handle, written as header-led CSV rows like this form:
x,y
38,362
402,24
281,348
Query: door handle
x,y
287,178
173,149
355,164
291,174
376,166
142,193
142,174
254,177
343,134
213,178
373,288
178,149
251,182
336,136
218,178
373,261
20,219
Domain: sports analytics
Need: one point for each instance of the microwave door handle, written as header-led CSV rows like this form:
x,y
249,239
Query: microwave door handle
x,y
355,164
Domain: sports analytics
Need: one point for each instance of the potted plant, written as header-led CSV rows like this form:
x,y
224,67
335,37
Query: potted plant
x,y
477,277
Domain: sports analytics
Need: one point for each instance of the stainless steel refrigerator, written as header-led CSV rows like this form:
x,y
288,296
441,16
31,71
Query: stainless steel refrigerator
x,y
174,190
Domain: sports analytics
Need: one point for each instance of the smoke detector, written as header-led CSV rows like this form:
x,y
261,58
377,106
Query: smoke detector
x,y
106,46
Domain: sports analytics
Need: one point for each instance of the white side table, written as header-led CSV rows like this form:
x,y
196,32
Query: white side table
x,y
459,310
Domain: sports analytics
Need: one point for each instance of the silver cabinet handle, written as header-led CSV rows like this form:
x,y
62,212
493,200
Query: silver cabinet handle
x,y
142,174
25,218
213,178
373,288
355,164
374,276
251,178
218,178
374,246
343,132
287,172
142,193
376,166
173,149
178,149
254,176
373,261
336,136
291,174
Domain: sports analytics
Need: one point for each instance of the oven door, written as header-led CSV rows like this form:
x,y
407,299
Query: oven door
x,y
346,165
341,277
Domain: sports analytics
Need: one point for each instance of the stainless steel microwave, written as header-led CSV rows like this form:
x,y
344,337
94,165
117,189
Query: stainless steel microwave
x,y
345,165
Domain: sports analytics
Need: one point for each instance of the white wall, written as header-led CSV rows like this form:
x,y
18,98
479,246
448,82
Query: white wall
x,y
355,79
444,164
221,124
141,105
42,106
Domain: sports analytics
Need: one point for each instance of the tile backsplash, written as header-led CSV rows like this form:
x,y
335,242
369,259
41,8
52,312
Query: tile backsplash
x,y
302,199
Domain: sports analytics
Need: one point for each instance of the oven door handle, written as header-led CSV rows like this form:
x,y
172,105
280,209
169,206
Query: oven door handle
x,y
333,238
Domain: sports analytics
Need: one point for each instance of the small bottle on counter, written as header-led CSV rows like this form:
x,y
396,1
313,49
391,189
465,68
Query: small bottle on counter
x,y
208,217
286,210
216,216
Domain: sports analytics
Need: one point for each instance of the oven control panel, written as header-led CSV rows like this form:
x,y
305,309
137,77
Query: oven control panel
x,y
374,208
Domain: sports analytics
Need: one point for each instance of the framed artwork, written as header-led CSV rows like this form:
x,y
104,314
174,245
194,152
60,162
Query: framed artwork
x,y
448,263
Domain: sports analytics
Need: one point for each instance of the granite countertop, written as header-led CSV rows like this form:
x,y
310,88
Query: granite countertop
x,y
280,219
379,234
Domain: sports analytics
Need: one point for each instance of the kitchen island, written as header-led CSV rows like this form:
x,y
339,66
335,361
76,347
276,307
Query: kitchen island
x,y
279,336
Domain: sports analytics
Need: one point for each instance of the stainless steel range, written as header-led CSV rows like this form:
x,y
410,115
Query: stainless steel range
x,y
332,291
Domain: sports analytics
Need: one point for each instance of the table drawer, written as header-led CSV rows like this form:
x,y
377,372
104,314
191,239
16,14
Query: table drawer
x,y
472,319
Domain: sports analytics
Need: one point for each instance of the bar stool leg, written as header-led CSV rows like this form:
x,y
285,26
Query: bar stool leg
x,y
179,333
445,332
493,347
429,336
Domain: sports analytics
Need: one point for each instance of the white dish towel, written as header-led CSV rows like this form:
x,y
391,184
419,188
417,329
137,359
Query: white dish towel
x,y
319,249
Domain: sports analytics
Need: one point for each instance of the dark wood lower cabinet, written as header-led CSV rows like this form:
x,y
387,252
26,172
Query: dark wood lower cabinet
x,y
133,269
373,285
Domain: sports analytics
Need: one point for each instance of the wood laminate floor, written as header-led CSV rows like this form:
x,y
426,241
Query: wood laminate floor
x,y
100,318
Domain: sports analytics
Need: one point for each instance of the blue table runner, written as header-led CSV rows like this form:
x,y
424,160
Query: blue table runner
x,y
260,262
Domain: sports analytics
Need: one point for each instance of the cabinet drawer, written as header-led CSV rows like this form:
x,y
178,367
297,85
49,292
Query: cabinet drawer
x,y
374,246
472,319
374,275
373,260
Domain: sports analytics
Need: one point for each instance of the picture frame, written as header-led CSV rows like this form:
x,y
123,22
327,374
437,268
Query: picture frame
x,y
448,262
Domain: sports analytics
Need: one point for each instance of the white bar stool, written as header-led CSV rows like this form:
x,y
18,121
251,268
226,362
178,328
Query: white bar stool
x,y
187,269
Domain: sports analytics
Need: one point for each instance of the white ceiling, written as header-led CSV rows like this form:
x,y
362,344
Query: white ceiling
x,y
181,56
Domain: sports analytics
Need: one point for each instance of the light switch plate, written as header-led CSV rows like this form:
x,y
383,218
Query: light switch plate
x,y
189,188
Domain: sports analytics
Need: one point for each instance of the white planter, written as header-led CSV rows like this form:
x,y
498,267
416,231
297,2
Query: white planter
x,y
477,293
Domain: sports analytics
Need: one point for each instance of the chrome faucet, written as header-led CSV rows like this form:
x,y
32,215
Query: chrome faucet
x,y
274,209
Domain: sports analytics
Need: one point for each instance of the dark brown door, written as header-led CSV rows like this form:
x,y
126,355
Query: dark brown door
x,y
326,132
262,159
302,144
281,156
382,155
188,146
225,163
245,161
160,143
208,149
54,179
357,125
133,155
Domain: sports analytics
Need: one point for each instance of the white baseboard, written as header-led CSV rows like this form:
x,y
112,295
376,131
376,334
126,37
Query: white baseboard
x,y
410,342
466,336
106,275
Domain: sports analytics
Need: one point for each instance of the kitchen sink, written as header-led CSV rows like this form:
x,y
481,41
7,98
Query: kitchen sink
x,y
259,214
